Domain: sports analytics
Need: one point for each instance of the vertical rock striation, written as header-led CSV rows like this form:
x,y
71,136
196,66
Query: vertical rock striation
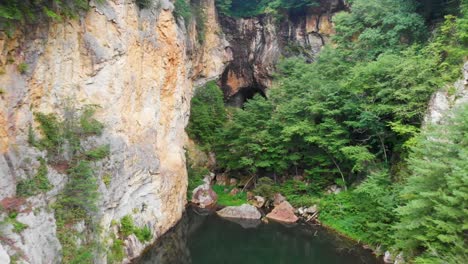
x,y
139,66
257,43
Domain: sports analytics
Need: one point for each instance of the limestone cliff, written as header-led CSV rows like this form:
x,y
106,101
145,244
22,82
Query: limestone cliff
x,y
445,100
139,66
258,43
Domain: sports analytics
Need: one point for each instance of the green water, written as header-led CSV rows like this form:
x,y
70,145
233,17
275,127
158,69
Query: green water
x,y
209,239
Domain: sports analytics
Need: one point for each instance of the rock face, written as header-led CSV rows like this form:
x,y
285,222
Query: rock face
x,y
139,66
283,213
257,43
245,211
445,100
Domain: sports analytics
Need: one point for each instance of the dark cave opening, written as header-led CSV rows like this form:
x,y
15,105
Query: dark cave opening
x,y
243,95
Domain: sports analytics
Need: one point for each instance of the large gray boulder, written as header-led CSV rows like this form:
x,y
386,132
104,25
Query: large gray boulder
x,y
245,211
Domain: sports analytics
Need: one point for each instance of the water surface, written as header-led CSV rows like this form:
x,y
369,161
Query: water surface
x,y
209,239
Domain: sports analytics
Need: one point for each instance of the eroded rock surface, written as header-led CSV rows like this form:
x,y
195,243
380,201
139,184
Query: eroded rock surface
x,y
257,43
140,67
447,99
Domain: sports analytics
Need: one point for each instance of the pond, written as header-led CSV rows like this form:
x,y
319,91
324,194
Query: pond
x,y
209,239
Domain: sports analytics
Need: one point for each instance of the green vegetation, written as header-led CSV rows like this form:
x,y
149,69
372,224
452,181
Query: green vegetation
x,y
39,183
98,153
14,12
433,215
226,199
23,68
107,178
182,9
207,115
353,118
127,227
144,3
77,203
248,8
116,252
18,227
195,178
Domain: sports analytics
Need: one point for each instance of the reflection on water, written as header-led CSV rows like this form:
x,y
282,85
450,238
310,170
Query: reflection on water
x,y
209,239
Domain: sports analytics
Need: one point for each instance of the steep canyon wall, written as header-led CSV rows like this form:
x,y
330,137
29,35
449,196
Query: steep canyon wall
x,y
139,67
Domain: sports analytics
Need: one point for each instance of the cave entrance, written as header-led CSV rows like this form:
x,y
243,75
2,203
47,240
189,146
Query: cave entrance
x,y
243,95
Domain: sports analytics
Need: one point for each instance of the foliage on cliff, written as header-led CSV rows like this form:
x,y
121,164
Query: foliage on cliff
x,y
31,10
63,140
208,115
248,8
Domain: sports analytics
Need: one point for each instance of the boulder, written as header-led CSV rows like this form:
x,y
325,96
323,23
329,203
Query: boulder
x,y
221,180
399,259
278,199
258,201
311,210
234,191
283,213
388,258
203,196
245,211
233,182
333,189
209,178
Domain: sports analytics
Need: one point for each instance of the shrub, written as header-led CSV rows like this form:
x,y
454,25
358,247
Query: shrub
x,y
18,227
116,253
207,115
39,183
127,227
266,188
143,234
23,68
98,153
144,3
182,9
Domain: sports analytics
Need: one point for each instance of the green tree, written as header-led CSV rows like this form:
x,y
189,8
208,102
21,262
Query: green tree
x,y
433,217
376,26
207,115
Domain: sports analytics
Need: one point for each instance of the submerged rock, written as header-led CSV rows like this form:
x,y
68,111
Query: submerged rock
x,y
245,223
245,211
204,197
284,213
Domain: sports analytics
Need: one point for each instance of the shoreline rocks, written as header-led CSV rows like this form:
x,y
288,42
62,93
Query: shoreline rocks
x,y
245,211
204,197
283,213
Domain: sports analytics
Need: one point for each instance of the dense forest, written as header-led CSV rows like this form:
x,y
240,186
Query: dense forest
x,y
354,118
